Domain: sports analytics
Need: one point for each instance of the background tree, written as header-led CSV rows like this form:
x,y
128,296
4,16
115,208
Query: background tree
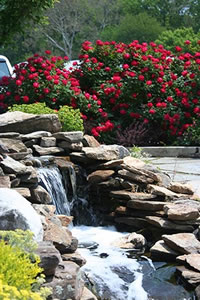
x,y
16,15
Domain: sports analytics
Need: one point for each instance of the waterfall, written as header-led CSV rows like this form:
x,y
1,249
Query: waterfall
x,y
51,180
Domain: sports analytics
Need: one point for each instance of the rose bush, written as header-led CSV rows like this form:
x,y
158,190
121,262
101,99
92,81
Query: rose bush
x,y
115,87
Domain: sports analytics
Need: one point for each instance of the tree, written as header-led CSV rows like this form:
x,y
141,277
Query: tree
x,y
16,15
141,27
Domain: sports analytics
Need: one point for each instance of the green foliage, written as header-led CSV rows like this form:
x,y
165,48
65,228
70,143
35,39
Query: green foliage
x,y
20,277
70,119
16,14
190,138
180,37
140,27
35,108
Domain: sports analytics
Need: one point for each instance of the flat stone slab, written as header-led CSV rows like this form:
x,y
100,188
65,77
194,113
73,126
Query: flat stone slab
x,y
161,250
10,166
166,224
47,150
106,152
191,276
133,162
146,205
35,135
99,176
26,123
181,212
162,191
24,192
193,260
110,164
131,196
135,177
184,243
69,136
132,221
181,188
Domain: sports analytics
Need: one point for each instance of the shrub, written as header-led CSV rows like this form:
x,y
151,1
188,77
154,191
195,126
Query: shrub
x,y
19,268
70,119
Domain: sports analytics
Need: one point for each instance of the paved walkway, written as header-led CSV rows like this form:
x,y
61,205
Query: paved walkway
x,y
181,169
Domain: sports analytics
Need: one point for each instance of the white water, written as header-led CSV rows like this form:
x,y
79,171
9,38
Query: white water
x,y
116,276
51,179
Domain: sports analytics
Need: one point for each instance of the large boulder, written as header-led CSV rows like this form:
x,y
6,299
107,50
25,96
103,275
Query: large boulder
x,y
26,123
17,213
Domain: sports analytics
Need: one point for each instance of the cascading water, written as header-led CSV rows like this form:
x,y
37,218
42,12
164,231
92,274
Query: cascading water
x,y
51,180
110,271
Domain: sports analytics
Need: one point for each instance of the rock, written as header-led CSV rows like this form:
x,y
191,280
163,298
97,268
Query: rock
x,y
181,188
81,158
63,163
188,202
106,152
48,142
142,172
197,292
110,164
10,166
45,210
164,180
160,251
49,257
1,171
184,243
88,295
30,177
191,276
133,162
69,136
20,155
193,260
47,150
40,195
75,257
10,135
60,237
131,195
65,220
134,177
24,192
130,241
181,212
68,146
133,222
146,205
13,145
67,282
5,182
99,176
162,191
17,213
26,123
90,141
168,225
35,135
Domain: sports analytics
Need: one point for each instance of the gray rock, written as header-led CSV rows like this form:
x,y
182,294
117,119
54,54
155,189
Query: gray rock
x,y
69,136
192,277
27,123
5,182
197,292
87,295
49,257
48,142
112,164
99,176
130,241
35,135
71,146
30,177
160,251
181,212
184,243
13,145
21,155
47,150
132,221
67,282
45,210
181,188
10,165
10,135
134,177
168,225
75,257
133,162
142,172
193,260
90,141
106,152
24,192
40,195
162,191
17,213
131,195
146,205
